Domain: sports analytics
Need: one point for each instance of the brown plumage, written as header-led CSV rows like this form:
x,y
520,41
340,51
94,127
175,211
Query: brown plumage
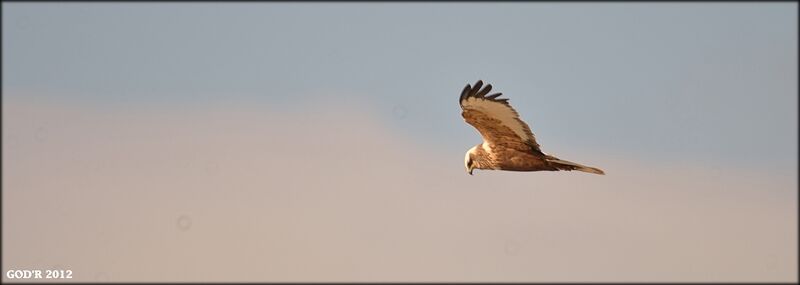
x,y
508,143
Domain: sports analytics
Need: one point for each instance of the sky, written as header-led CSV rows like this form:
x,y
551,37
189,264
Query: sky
x,y
323,141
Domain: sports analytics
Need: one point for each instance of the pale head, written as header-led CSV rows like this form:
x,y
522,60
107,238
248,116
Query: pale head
x,y
469,163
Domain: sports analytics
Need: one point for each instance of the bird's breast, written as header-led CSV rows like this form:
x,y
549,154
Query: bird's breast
x,y
512,159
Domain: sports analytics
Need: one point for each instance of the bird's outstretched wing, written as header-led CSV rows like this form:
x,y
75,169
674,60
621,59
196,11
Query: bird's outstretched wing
x,y
496,121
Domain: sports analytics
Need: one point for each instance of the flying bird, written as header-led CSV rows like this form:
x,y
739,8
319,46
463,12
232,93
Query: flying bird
x,y
508,143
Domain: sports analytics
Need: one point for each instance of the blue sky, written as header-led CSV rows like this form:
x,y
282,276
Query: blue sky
x,y
325,140
714,82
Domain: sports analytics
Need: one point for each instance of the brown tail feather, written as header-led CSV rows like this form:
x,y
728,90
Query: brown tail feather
x,y
568,165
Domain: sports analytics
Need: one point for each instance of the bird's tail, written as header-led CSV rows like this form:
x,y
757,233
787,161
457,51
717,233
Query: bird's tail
x,y
568,165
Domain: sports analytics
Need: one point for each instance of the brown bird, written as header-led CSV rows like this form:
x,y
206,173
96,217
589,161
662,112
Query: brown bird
x,y
508,143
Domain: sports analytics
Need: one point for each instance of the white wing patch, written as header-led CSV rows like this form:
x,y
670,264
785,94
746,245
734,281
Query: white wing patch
x,y
502,112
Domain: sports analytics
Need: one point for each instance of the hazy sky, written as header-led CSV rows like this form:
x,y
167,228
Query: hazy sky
x,y
324,142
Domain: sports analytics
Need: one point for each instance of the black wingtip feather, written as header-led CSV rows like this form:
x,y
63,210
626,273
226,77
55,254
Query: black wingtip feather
x,y
475,91
464,93
491,97
476,87
485,91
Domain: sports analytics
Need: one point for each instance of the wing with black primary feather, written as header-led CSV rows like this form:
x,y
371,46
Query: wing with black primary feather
x,y
495,119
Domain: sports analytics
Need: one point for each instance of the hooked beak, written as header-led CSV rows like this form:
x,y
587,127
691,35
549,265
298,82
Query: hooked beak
x,y
470,171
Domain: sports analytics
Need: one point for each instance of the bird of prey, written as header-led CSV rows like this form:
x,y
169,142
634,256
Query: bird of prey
x,y
508,143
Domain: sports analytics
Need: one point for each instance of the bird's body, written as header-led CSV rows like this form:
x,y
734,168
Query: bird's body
x,y
486,156
508,142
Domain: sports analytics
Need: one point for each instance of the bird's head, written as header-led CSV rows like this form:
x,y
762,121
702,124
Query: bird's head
x,y
469,163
